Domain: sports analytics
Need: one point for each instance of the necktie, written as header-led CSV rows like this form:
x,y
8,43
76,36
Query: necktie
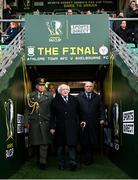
x,y
66,99
40,94
89,95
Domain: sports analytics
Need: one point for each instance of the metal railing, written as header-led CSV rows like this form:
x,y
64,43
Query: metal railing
x,y
10,51
129,57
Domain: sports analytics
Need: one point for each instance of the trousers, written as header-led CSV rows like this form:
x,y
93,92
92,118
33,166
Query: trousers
x,y
39,153
71,155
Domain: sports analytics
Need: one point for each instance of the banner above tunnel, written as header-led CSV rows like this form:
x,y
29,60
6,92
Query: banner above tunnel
x,y
58,6
67,39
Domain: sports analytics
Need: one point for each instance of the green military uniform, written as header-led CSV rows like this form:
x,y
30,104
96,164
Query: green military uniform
x,y
38,115
39,118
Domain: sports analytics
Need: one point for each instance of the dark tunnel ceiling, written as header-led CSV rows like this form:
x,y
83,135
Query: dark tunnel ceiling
x,y
65,73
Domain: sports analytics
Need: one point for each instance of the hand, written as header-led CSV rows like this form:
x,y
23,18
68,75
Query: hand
x,y
102,122
134,8
26,125
83,124
52,131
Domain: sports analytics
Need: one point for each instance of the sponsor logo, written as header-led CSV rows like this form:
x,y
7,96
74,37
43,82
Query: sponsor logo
x,y
80,29
128,122
128,128
20,123
128,116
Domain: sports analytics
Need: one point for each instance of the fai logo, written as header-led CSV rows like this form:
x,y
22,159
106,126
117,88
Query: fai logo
x,y
54,28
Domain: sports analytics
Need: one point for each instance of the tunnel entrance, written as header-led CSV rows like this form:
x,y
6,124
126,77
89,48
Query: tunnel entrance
x,y
73,75
68,73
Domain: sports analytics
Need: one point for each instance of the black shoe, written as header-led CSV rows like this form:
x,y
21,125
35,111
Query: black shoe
x,y
73,167
88,163
61,167
42,166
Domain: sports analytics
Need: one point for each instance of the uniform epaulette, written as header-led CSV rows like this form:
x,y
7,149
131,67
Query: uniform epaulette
x,y
48,93
33,93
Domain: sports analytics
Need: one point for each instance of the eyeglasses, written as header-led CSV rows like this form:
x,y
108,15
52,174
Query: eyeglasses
x,y
65,89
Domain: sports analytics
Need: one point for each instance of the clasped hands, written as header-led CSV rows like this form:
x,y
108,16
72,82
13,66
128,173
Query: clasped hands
x,y
52,131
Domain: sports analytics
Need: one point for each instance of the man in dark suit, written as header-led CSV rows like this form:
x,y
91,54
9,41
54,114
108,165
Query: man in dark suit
x,y
124,33
37,116
132,12
64,123
11,32
53,89
92,114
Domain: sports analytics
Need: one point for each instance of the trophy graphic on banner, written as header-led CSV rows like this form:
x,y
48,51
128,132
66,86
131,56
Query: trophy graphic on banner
x,y
9,118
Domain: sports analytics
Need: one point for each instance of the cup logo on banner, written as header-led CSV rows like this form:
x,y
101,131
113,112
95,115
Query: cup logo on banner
x,y
54,28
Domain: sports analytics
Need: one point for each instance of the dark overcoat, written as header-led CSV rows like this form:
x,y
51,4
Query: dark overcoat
x,y
39,119
65,120
91,111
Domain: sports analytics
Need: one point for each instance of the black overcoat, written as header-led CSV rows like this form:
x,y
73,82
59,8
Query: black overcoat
x,y
92,111
64,120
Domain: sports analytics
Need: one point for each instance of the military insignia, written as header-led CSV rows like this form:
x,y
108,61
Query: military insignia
x,y
41,81
34,105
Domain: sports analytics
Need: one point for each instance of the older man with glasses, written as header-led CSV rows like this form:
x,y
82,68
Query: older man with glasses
x,y
64,124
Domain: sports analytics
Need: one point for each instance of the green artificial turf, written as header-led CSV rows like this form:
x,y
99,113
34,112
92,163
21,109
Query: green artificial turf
x,y
102,168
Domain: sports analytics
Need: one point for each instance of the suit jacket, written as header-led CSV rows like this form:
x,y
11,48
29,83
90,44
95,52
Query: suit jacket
x,y
91,111
11,32
64,120
39,119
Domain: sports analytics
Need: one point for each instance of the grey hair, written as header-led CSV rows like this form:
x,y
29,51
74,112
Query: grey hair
x,y
60,87
88,82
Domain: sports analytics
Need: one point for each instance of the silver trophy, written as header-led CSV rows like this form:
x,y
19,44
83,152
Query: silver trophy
x,y
116,121
9,109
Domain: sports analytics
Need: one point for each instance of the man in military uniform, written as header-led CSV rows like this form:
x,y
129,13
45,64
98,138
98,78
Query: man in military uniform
x,y
37,118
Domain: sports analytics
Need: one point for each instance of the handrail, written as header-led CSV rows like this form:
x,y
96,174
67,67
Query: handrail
x,y
129,57
10,51
122,19
10,20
